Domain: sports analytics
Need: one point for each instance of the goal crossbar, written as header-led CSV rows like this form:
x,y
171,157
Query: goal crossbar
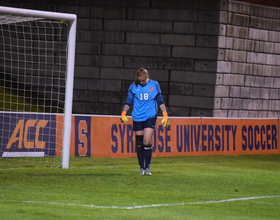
x,y
72,19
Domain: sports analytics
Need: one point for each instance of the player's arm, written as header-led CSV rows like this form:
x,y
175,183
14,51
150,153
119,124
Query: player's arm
x,y
127,105
161,104
162,107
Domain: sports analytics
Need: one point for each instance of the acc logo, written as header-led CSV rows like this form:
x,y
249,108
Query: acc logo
x,y
151,89
23,136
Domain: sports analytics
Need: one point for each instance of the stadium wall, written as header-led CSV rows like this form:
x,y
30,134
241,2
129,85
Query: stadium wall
x,y
212,58
106,136
248,69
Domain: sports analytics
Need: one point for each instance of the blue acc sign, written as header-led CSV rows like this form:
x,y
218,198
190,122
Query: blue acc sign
x,y
30,133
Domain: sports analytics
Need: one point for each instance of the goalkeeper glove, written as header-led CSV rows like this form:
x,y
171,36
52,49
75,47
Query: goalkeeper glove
x,y
123,117
165,120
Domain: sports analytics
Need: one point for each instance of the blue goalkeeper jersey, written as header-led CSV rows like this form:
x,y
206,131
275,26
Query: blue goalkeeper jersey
x,y
145,100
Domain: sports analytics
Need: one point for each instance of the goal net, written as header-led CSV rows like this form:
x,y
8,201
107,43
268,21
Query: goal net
x,y
37,51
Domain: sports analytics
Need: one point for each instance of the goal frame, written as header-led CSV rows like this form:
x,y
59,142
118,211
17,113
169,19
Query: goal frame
x,y
72,19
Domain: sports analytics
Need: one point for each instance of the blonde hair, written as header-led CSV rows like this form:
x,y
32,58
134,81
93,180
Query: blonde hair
x,y
140,72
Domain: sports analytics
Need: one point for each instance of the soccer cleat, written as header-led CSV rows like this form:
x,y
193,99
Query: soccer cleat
x,y
142,172
148,172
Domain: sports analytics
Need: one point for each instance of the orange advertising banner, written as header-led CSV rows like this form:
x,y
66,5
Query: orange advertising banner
x,y
106,136
182,137
221,136
260,136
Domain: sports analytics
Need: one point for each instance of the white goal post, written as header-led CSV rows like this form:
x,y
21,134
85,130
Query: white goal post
x,y
71,20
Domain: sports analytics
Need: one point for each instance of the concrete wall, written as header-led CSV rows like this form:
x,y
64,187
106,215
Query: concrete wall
x,y
212,58
175,40
248,73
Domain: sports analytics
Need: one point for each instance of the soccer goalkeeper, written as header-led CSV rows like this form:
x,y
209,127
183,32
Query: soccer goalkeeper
x,y
145,95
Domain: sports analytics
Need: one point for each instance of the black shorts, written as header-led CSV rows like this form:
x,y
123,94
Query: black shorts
x,y
141,125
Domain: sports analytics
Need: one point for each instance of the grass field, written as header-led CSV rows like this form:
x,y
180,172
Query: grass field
x,y
206,187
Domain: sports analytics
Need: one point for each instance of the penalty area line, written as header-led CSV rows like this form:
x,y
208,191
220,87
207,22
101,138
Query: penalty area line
x,y
142,206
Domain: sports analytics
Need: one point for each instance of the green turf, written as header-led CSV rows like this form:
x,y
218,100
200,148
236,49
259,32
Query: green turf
x,y
180,188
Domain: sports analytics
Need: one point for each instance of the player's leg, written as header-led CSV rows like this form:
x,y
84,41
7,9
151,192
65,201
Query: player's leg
x,y
140,152
149,128
148,134
138,128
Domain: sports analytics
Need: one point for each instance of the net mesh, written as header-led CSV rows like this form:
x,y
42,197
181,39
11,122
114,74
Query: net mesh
x,y
33,60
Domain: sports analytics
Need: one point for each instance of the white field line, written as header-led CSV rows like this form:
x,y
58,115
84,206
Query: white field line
x,y
142,206
123,166
154,165
120,166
